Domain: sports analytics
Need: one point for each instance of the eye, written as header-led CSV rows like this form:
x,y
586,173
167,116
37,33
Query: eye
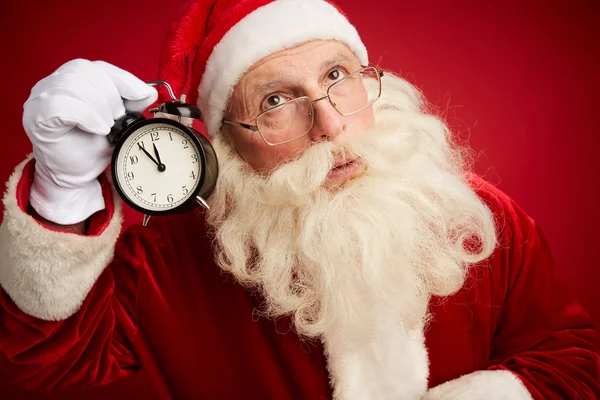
x,y
336,74
273,100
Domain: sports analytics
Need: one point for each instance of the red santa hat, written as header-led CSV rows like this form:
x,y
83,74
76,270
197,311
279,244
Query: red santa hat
x,y
214,43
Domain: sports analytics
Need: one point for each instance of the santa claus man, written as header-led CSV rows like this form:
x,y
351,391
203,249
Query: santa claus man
x,y
347,253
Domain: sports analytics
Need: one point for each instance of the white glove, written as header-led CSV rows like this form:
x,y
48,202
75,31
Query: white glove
x,y
67,118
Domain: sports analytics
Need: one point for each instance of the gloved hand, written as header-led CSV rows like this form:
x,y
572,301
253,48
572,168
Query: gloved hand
x,y
67,118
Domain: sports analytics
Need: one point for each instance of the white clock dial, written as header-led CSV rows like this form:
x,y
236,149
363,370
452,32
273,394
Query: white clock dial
x,y
158,182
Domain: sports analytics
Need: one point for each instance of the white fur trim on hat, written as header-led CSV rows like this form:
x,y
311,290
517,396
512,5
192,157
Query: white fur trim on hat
x,y
276,26
48,274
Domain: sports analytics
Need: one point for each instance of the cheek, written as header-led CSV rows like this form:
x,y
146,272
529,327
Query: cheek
x,y
265,158
361,122
368,120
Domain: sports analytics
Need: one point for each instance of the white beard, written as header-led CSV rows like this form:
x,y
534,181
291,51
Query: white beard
x,y
357,266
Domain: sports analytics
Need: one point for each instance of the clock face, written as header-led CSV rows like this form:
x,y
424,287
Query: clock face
x,y
158,167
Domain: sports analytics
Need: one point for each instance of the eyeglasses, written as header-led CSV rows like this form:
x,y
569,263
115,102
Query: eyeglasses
x,y
293,119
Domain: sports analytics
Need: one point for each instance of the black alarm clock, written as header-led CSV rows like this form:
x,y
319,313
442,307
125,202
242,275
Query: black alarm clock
x,y
162,165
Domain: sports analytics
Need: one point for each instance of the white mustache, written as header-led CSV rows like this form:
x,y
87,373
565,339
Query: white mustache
x,y
303,176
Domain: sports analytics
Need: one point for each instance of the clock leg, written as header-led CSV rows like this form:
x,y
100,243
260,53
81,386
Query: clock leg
x,y
202,202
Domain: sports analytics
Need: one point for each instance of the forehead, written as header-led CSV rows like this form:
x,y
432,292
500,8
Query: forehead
x,y
304,57
314,51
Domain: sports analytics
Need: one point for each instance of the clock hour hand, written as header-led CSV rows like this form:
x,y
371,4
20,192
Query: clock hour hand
x,y
161,166
150,157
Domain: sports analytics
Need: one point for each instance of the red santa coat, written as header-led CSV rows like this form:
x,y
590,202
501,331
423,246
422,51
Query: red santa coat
x,y
72,314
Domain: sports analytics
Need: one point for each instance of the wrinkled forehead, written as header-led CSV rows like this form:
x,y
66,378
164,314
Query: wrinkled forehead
x,y
293,67
307,55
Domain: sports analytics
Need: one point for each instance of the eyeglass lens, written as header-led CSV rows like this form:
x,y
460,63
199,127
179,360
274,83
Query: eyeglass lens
x,y
294,119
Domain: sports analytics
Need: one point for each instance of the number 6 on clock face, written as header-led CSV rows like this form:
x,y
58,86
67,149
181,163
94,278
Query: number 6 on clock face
x,y
160,167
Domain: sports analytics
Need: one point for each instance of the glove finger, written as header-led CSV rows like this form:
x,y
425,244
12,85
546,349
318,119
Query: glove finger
x,y
98,79
58,113
80,159
139,94
75,85
140,105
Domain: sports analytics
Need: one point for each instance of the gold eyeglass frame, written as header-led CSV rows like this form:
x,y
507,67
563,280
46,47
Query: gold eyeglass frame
x,y
254,128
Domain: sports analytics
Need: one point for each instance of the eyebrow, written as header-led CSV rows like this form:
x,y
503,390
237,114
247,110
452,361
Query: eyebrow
x,y
269,85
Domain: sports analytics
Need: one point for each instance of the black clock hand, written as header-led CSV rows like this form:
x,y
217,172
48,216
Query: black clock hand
x,y
161,166
148,154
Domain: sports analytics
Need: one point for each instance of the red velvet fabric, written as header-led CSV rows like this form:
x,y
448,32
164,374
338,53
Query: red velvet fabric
x,y
163,305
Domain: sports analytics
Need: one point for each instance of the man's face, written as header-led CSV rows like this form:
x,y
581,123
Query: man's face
x,y
305,70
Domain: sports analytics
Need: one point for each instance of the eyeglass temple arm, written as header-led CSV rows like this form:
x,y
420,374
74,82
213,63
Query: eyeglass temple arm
x,y
379,72
253,128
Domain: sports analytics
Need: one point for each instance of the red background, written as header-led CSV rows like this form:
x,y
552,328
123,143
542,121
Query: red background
x,y
518,80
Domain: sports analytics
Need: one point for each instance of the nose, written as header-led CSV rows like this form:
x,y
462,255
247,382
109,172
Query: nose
x,y
328,123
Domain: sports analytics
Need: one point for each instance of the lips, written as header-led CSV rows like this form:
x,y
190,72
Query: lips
x,y
345,170
339,164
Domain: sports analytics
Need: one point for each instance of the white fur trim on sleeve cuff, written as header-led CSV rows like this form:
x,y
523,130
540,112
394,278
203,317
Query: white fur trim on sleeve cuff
x,y
481,385
48,274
